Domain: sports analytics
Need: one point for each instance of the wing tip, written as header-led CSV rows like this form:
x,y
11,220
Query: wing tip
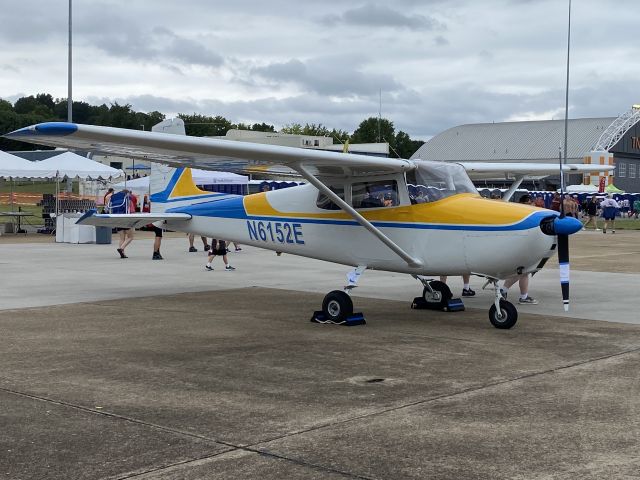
x,y
47,128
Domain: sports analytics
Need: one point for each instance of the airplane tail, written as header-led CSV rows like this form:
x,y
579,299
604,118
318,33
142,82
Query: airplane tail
x,y
173,187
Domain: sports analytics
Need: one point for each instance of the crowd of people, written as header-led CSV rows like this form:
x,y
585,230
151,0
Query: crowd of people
x,y
125,202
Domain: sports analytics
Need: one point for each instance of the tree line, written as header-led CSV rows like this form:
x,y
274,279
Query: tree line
x,y
44,108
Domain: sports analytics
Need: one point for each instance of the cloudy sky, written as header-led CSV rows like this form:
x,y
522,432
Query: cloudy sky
x,y
437,63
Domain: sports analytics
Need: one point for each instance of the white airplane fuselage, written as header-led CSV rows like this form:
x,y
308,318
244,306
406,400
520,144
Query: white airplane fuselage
x,y
456,235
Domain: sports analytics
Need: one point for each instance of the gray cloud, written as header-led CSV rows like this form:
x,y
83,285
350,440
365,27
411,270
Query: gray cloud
x,y
337,75
279,61
372,15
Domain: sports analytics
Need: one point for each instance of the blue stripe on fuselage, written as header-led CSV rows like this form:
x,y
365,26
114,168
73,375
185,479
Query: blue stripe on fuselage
x,y
233,208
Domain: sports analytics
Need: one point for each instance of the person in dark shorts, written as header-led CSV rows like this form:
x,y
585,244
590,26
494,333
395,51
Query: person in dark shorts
x,y
218,247
609,211
156,242
592,212
146,208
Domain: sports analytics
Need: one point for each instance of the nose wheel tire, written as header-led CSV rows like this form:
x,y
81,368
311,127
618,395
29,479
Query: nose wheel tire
x,y
506,318
337,306
440,296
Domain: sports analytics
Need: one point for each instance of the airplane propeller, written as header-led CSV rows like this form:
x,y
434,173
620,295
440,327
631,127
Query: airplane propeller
x,y
563,248
562,226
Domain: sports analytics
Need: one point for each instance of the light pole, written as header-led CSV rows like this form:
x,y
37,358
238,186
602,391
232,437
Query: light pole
x,y
69,92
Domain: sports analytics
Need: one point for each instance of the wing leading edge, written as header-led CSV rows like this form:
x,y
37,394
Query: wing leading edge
x,y
485,170
204,153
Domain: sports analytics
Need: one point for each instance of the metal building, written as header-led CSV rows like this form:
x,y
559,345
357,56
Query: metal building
x,y
590,140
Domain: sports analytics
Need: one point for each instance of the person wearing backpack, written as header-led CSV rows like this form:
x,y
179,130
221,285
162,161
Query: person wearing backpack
x,y
120,203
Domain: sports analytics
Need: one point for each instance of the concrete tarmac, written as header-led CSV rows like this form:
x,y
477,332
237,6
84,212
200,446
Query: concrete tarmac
x,y
159,370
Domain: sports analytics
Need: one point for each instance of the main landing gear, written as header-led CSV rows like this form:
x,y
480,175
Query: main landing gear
x,y
436,295
337,306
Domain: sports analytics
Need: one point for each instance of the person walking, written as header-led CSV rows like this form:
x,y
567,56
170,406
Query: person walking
x,y
218,247
592,212
523,283
123,203
636,208
157,241
106,200
609,211
192,237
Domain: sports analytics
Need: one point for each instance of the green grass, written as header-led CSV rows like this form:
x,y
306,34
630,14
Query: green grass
x,y
35,210
29,186
623,223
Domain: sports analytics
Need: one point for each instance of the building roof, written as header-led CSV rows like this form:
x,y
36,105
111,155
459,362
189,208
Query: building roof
x,y
515,141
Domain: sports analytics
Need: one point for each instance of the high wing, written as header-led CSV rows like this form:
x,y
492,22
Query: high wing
x,y
504,170
128,220
205,153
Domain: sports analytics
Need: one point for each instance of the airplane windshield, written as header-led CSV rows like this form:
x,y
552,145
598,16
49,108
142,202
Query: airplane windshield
x,y
433,181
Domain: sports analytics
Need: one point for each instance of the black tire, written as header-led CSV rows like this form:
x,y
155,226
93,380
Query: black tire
x,y
508,312
337,306
441,288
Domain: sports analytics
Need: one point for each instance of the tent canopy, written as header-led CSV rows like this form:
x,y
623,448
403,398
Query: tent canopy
x,y
200,177
582,189
70,165
611,188
12,166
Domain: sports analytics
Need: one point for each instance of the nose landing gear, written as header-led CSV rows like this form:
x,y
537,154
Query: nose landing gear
x,y
502,314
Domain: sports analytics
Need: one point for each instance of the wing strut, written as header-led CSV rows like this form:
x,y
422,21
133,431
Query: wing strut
x,y
512,189
411,261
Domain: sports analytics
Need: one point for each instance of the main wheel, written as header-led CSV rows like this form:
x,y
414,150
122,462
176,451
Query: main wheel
x,y
337,306
440,296
506,318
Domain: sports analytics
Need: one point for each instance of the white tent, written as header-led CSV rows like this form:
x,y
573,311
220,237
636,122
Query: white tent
x,y
200,177
70,165
139,186
208,177
582,189
12,166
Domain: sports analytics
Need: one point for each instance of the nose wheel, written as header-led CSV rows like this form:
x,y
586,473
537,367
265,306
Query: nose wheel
x,y
504,318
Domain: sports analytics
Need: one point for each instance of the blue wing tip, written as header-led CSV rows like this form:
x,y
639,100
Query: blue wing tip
x,y
47,128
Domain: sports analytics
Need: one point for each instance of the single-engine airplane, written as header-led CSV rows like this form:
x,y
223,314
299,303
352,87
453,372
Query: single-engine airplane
x,y
356,210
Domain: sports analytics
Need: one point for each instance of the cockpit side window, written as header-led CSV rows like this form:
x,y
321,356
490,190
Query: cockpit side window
x,y
374,194
325,202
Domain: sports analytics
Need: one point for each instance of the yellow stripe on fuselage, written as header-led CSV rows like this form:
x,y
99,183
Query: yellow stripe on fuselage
x,y
463,209
185,186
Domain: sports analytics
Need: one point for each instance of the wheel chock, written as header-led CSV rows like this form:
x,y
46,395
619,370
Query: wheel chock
x,y
353,319
453,305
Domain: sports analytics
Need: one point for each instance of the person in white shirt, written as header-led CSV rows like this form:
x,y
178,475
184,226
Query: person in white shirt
x,y
609,211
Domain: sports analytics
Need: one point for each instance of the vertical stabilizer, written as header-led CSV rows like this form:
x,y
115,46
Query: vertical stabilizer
x,y
172,187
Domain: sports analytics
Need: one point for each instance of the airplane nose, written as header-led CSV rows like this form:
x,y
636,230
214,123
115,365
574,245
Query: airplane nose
x,y
560,225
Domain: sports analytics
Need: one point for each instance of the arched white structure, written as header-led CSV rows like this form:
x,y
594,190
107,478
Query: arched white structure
x,y
617,129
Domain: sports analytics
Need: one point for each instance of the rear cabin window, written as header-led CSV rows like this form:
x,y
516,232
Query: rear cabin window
x,y
325,202
375,194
